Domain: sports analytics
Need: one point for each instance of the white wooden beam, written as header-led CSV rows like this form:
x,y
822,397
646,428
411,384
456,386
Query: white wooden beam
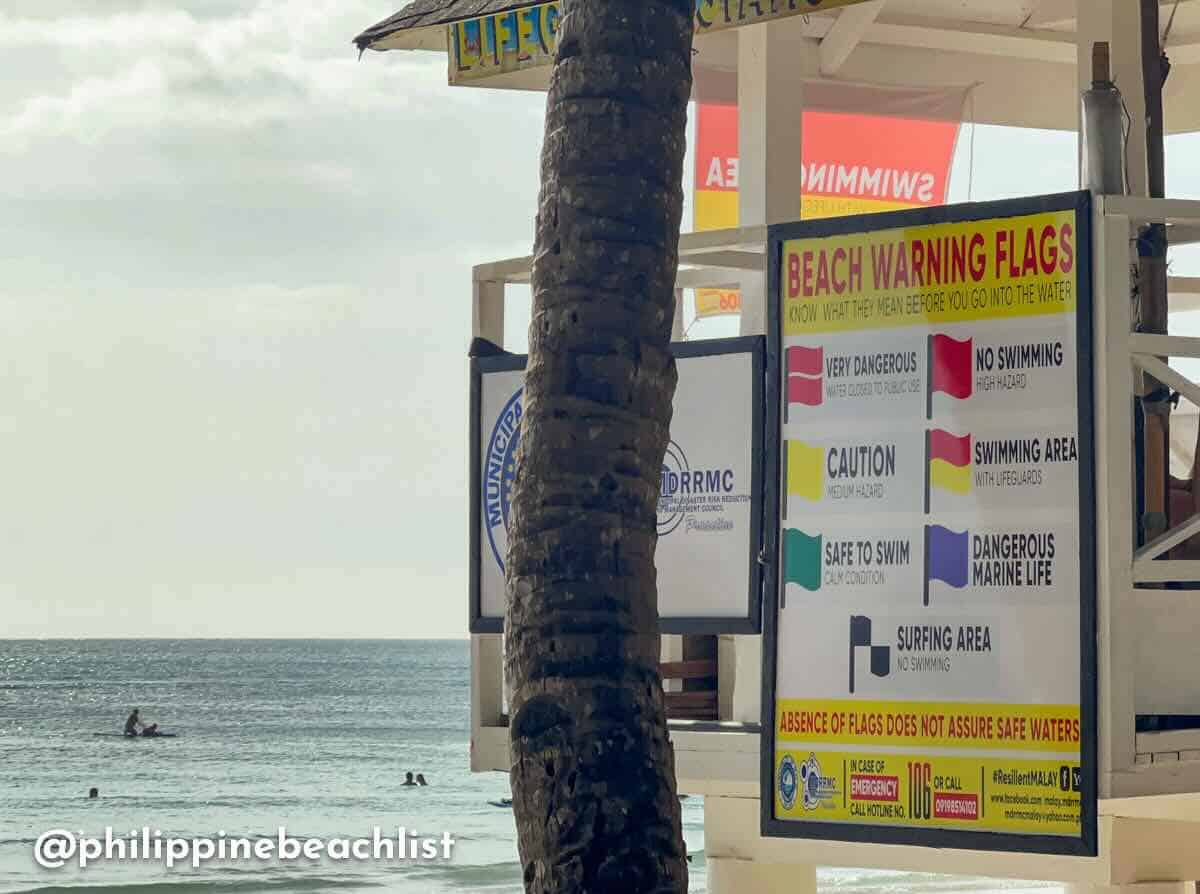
x,y
1144,210
1183,293
973,37
1164,345
1168,376
507,270
1164,542
487,311
773,60
1113,383
1151,572
846,33
1056,13
702,278
753,238
730,260
1117,23
1050,12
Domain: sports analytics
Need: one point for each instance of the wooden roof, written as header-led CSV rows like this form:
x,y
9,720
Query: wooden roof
x,y
428,13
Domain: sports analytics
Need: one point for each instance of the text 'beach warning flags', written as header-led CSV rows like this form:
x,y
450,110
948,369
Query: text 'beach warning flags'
x,y
803,376
947,463
950,369
946,557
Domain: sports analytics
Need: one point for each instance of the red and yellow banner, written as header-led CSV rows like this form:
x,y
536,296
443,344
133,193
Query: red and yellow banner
x,y
852,164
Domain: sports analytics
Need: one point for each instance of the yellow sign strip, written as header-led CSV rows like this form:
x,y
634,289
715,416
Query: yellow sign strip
x,y
939,273
1045,728
1039,797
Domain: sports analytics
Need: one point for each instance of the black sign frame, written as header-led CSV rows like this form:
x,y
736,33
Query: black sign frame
x,y
1086,845
762,461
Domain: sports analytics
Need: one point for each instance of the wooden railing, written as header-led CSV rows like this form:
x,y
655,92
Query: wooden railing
x,y
698,700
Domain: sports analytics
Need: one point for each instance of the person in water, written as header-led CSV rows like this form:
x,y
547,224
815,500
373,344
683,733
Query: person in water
x,y
132,722
93,792
421,779
408,779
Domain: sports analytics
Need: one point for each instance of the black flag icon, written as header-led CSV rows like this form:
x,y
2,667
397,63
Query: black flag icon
x,y
860,635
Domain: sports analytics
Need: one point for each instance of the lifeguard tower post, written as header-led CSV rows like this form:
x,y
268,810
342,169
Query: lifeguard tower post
x,y
1025,63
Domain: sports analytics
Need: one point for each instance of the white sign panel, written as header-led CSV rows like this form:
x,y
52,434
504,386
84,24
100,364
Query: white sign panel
x,y
931,655
710,508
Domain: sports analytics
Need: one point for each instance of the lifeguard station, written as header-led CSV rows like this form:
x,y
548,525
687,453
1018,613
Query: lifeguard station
x,y
1023,63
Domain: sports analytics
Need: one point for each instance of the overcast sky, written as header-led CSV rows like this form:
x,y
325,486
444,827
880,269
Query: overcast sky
x,y
234,309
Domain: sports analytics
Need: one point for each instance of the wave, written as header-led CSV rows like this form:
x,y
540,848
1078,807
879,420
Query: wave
x,y
183,885
468,876
889,881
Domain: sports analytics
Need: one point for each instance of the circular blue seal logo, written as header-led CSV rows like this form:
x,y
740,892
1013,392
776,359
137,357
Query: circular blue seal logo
x,y
789,782
671,507
813,785
499,472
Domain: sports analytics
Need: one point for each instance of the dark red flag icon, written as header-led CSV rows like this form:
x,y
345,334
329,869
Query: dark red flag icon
x,y
805,361
804,391
804,368
950,448
950,368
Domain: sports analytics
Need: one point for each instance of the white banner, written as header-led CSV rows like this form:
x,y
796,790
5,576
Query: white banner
x,y
709,511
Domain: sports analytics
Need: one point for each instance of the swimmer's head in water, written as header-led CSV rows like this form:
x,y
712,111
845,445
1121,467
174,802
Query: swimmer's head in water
x,y
93,792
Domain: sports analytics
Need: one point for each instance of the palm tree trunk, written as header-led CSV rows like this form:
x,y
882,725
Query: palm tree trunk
x,y
593,771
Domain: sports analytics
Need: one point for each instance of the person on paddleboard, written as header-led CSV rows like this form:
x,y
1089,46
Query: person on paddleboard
x,y
132,722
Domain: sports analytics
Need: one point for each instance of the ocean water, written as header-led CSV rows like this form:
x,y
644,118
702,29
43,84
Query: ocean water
x,y
314,736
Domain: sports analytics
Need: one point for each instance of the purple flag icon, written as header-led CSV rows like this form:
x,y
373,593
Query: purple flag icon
x,y
946,557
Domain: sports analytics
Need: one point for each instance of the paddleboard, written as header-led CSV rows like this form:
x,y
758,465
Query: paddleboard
x,y
123,736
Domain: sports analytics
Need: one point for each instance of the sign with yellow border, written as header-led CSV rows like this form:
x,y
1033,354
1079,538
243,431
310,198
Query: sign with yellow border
x,y
930,626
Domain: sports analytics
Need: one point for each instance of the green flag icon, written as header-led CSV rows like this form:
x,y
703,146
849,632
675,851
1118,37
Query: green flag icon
x,y
802,559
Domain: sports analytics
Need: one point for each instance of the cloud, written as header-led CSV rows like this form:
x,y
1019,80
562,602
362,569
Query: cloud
x,y
233,317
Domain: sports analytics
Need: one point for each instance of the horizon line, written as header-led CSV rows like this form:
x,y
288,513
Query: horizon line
x,y
359,639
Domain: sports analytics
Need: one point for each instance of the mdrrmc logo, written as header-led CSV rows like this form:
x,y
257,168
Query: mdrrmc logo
x,y
815,787
685,492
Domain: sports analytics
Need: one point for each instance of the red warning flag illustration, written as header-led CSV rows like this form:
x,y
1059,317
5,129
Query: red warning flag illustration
x,y
950,369
805,381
